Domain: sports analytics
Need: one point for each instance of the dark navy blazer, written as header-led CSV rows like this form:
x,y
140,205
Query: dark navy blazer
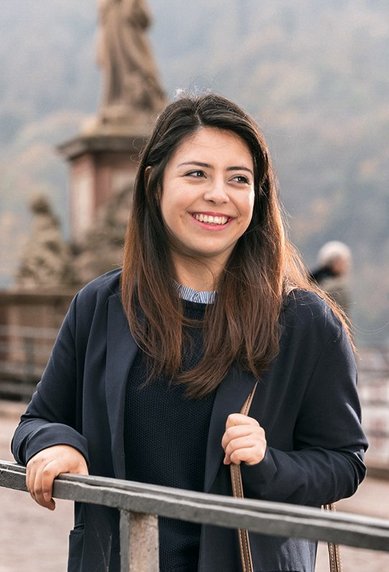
x,y
306,402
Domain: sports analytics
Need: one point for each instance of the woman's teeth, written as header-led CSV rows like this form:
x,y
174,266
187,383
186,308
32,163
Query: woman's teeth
x,y
211,219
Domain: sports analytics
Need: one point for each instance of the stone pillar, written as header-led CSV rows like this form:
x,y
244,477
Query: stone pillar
x,y
101,164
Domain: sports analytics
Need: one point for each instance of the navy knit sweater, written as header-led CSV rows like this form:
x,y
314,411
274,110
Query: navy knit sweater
x,y
165,443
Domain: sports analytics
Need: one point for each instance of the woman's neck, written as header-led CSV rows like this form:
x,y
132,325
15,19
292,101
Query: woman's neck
x,y
196,275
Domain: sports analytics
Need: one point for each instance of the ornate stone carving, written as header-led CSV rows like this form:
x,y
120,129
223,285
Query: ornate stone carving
x,y
46,261
102,248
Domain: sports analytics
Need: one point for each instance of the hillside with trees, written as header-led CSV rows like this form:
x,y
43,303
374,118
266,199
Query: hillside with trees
x,y
313,72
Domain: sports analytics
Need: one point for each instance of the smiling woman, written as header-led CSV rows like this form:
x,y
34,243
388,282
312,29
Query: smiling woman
x,y
153,363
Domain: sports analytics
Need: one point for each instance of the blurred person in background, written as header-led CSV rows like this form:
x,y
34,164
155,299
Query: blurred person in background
x,y
332,274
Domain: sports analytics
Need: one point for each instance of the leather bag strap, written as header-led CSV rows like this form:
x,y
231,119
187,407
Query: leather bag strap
x,y
237,491
334,559
243,535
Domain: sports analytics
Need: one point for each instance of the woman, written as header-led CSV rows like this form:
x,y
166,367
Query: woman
x,y
152,364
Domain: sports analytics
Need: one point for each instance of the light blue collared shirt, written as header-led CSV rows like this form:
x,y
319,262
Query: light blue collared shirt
x,y
187,293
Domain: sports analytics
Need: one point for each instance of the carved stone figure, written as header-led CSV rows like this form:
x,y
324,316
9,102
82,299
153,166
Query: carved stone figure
x,y
46,261
102,247
131,88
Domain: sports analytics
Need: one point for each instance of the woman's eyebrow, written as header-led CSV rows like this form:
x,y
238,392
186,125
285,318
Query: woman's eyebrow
x,y
197,163
240,168
207,165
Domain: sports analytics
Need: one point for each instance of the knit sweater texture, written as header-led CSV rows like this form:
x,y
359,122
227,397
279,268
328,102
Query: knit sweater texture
x,y
165,442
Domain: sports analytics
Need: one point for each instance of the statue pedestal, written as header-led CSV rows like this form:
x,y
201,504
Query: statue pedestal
x,y
102,162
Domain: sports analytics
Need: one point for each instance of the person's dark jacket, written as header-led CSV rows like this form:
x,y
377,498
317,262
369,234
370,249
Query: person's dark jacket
x,y
307,403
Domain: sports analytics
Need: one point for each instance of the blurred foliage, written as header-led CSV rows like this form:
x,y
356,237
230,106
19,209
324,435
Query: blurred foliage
x,y
313,72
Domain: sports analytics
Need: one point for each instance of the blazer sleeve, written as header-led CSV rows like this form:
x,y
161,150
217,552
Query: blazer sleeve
x,y
326,460
52,417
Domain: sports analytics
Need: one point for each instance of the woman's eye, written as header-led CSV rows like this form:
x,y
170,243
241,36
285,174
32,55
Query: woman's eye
x,y
242,179
197,173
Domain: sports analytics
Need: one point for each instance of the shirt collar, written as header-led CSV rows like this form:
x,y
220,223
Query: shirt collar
x,y
202,297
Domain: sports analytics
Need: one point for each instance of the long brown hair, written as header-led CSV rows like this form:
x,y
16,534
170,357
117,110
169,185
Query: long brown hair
x,y
242,326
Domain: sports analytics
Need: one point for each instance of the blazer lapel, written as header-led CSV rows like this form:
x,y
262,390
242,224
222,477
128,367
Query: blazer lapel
x,y
230,396
121,351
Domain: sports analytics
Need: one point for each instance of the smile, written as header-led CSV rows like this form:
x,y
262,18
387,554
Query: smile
x,y
209,219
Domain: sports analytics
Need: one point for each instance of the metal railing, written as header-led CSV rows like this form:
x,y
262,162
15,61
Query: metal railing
x,y
141,504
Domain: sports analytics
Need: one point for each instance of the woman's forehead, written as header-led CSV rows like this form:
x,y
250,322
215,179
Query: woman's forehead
x,y
212,140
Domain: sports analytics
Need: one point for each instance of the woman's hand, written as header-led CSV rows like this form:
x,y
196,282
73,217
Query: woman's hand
x,y
46,465
244,440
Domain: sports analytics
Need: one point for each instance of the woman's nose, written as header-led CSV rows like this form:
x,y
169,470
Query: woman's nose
x,y
216,192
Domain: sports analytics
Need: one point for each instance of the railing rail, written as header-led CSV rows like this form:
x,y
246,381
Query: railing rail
x,y
141,504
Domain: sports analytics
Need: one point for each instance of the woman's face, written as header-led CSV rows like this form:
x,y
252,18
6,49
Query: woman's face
x,y
208,195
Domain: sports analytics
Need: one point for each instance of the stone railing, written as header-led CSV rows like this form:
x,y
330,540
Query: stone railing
x,y
29,323
374,394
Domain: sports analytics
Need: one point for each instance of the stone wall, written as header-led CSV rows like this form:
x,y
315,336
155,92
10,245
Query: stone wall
x,y
29,322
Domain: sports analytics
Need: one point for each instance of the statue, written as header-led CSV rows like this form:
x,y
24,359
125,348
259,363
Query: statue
x,y
46,261
131,89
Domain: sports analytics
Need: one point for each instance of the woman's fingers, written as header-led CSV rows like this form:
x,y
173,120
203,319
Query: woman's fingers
x,y
35,487
244,440
40,483
241,450
46,465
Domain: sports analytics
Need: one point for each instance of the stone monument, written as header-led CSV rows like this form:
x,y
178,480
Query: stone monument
x,y
103,157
